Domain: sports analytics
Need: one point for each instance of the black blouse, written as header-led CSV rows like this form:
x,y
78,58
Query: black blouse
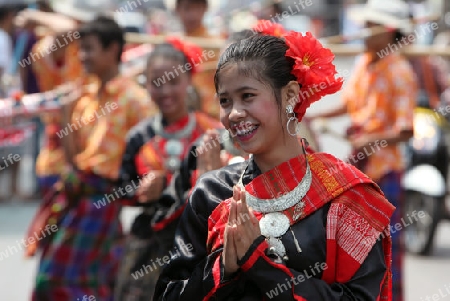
x,y
189,275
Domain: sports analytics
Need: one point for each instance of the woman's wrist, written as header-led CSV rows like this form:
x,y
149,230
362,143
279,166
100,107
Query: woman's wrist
x,y
225,275
258,245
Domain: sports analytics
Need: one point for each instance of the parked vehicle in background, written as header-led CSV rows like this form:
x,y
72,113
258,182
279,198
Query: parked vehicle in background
x,y
425,180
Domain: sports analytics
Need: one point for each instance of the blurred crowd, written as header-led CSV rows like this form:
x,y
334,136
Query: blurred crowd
x,y
19,38
24,34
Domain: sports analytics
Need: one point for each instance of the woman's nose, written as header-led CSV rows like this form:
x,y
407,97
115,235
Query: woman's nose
x,y
237,114
162,90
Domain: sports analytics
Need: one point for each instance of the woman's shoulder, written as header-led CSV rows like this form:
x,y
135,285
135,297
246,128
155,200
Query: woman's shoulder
x,y
329,168
214,187
351,192
225,178
339,182
143,129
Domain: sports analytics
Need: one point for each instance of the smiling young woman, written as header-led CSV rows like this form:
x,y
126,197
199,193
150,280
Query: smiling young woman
x,y
257,223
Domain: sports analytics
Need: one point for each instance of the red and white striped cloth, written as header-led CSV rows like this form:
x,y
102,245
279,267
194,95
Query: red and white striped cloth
x,y
15,136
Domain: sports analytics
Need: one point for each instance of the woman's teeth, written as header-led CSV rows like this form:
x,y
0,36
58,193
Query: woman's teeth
x,y
242,132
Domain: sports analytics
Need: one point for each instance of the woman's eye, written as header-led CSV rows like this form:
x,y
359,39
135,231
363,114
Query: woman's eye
x,y
223,101
247,95
155,83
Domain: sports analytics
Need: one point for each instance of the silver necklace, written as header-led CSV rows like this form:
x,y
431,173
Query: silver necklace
x,y
174,147
274,224
186,131
283,202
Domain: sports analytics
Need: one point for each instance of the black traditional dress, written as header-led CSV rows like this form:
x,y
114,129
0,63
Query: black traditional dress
x,y
337,248
152,146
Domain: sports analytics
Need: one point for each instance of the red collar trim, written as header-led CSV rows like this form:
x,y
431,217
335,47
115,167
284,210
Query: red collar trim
x,y
279,180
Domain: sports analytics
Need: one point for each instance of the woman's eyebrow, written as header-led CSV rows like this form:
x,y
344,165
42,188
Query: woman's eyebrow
x,y
240,89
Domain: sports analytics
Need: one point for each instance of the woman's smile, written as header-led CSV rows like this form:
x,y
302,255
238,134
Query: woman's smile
x,y
245,134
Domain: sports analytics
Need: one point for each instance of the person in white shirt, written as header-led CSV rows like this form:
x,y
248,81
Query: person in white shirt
x,y
8,12
6,56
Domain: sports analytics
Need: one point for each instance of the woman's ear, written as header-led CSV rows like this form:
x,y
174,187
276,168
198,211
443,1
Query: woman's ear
x,y
290,93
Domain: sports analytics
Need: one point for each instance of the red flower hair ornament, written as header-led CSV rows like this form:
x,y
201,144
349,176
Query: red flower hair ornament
x,y
191,51
313,69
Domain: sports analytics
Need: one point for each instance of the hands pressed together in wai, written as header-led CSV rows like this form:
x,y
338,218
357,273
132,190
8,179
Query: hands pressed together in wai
x,y
240,232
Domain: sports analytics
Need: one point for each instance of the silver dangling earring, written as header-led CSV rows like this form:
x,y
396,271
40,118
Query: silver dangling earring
x,y
291,118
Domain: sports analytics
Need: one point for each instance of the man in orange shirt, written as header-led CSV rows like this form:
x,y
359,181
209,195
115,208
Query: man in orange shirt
x,y
80,258
380,99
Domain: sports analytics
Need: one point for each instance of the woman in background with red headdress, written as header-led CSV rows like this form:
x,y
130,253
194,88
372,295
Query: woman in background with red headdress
x,y
155,149
285,224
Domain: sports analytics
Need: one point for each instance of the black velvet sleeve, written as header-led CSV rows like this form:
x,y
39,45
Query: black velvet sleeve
x,y
278,282
192,274
175,195
128,176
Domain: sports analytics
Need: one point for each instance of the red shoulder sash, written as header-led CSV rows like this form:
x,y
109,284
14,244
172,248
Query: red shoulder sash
x,y
355,199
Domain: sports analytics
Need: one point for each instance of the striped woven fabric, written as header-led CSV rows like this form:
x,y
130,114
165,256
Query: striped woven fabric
x,y
81,259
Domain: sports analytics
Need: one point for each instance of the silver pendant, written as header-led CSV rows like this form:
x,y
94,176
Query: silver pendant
x,y
174,147
274,224
173,163
276,246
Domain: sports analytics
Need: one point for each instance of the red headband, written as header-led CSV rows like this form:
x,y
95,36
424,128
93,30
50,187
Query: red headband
x,y
191,51
313,69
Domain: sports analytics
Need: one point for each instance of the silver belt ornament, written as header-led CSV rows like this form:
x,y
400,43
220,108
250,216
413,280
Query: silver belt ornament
x,y
273,226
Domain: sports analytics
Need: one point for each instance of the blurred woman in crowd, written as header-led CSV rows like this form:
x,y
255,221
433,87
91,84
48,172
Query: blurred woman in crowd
x,y
7,13
154,152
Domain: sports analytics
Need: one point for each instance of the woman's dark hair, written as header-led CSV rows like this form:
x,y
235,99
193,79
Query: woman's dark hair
x,y
107,31
236,36
262,57
167,51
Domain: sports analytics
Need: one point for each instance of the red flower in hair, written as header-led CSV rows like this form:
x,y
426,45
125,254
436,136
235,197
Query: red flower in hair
x,y
313,68
192,52
269,28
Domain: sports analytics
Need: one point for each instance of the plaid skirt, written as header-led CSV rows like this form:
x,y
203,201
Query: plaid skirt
x,y
82,257
46,183
390,184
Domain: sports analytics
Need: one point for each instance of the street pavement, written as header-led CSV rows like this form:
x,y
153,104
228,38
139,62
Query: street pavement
x,y
427,278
